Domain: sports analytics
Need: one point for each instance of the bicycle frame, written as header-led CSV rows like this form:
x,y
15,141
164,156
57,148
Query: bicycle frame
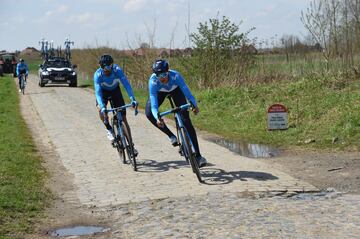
x,y
178,118
117,112
123,141
186,143
22,82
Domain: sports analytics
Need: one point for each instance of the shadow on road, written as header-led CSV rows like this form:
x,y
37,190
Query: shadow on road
x,y
152,166
216,176
65,85
84,86
211,176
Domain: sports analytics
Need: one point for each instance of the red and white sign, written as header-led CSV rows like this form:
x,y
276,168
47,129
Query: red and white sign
x,y
277,117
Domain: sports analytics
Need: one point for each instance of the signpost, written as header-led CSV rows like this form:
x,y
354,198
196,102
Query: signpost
x,y
277,117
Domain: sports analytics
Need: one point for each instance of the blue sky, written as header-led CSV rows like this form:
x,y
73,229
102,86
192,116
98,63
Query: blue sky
x,y
127,23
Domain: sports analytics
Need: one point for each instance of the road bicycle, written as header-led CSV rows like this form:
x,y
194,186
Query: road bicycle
x,y
22,83
122,138
186,146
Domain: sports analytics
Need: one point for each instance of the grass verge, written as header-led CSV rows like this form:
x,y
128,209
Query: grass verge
x,y
323,110
22,193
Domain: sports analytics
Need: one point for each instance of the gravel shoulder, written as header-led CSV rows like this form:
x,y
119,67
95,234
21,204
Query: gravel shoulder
x,y
323,169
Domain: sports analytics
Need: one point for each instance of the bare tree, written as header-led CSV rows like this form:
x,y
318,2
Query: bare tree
x,y
151,30
354,9
317,23
289,43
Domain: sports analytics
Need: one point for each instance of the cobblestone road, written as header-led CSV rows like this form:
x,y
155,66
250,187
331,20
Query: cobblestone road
x,y
163,199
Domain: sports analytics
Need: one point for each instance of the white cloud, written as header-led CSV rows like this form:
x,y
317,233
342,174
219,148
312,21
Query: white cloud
x,y
88,19
267,11
61,9
134,5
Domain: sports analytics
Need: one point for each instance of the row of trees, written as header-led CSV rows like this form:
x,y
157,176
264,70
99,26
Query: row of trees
x,y
335,25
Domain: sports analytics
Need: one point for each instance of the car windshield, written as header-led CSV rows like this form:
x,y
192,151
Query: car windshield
x,y
7,57
58,63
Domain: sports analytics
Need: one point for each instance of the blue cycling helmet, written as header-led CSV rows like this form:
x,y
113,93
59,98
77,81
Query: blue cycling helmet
x,y
105,60
160,66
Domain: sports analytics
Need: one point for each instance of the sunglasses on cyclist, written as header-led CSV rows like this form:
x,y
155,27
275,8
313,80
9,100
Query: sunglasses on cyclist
x,y
162,75
107,68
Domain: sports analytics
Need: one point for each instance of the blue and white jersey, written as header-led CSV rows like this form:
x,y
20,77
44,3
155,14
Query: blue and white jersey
x,y
175,80
21,67
104,82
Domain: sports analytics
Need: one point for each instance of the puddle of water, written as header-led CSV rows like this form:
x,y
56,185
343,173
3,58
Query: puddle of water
x,y
247,149
77,231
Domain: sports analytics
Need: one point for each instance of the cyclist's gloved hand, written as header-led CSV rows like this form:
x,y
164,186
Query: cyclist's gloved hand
x,y
195,110
134,103
160,123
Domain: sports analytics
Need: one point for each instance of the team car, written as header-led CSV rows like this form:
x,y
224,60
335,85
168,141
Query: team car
x,y
57,70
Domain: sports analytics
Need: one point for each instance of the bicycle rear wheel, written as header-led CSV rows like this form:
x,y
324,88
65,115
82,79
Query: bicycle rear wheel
x,y
117,140
189,154
129,147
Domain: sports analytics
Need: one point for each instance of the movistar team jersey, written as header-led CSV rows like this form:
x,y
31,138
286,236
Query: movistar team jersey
x,y
22,67
103,82
175,80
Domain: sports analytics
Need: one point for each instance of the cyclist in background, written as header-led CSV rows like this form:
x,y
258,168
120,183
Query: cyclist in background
x,y
107,85
164,82
22,68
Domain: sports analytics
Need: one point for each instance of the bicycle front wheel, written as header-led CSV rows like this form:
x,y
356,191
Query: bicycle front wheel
x,y
22,85
189,154
117,140
129,147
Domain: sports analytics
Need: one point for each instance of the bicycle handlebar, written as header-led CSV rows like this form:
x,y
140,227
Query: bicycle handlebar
x,y
123,107
175,110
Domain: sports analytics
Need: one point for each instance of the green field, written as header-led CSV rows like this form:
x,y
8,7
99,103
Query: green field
x,y
22,193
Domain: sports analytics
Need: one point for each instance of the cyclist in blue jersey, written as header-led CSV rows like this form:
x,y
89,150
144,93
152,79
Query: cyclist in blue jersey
x,y
106,84
22,68
164,82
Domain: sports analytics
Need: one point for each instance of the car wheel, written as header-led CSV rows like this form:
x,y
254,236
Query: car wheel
x,y
41,84
73,83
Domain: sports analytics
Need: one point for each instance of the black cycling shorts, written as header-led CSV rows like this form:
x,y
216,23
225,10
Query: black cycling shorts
x,y
114,97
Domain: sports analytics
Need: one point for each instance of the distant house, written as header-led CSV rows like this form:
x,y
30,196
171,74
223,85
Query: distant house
x,y
188,51
159,52
249,49
164,53
29,51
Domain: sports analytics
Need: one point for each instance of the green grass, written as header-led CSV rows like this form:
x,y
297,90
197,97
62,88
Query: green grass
x,y
319,108
34,66
22,193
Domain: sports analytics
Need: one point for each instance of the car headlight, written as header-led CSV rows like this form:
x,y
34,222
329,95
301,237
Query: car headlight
x,y
45,73
73,73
